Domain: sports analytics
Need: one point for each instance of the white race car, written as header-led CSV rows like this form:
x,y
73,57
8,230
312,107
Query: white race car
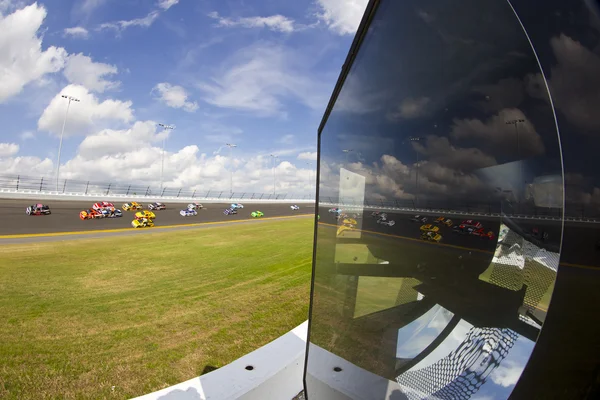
x,y
237,205
294,207
195,206
386,222
188,213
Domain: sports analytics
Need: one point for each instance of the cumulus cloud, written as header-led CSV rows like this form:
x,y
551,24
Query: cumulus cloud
x,y
81,70
258,78
8,149
507,374
166,4
411,108
277,23
307,155
574,83
175,96
84,116
342,16
498,137
22,59
439,150
77,32
506,93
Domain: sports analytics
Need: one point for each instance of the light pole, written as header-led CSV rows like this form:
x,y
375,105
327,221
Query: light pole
x,y
62,132
273,157
230,145
416,139
309,175
162,158
347,151
516,123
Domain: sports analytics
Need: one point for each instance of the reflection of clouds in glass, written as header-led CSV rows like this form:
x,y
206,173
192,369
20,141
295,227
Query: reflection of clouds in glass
x,y
359,98
497,137
507,93
507,374
456,337
416,336
410,108
440,150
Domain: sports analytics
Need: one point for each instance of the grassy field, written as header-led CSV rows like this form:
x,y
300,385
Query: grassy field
x,y
115,318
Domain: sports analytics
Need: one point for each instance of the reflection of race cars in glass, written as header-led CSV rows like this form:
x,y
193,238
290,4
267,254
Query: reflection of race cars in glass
x,y
335,210
349,221
440,220
157,206
134,205
90,214
256,214
111,212
145,214
188,212
142,223
448,222
468,226
230,211
294,207
195,206
38,209
429,228
540,235
235,206
375,214
431,236
483,234
344,228
101,205
390,222
419,218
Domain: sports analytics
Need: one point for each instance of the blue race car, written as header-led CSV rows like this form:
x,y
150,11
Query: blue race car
x,y
188,212
235,206
111,213
230,211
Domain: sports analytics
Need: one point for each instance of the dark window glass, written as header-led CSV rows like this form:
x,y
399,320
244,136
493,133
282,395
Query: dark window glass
x,y
440,207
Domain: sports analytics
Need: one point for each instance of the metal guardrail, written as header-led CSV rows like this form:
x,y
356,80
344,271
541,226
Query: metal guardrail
x,y
20,184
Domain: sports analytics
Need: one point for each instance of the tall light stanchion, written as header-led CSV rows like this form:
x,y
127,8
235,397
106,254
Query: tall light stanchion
x,y
347,151
516,123
273,157
230,145
62,132
416,139
309,176
162,158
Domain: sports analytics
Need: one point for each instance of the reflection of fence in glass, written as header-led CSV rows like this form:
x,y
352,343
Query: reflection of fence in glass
x,y
20,183
460,374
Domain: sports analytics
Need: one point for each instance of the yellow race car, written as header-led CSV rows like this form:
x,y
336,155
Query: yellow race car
x,y
431,236
134,205
344,228
429,228
349,221
142,223
145,214
448,223
440,220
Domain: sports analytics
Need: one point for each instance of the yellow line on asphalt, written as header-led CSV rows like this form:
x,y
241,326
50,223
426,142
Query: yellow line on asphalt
x,y
198,224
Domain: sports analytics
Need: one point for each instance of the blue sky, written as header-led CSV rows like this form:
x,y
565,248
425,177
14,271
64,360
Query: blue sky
x,y
258,74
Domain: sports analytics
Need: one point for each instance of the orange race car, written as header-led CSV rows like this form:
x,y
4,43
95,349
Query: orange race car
x,y
90,214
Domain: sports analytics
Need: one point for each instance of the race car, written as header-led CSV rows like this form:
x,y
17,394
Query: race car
x,y
257,214
483,234
349,221
145,214
195,206
188,212
156,206
344,228
111,213
419,218
230,211
469,223
90,214
235,206
336,210
101,205
142,223
440,220
390,222
375,214
448,222
431,236
294,207
134,205
429,228
38,209
468,226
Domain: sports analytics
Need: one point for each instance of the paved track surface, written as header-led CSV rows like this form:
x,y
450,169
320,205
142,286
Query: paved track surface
x,y
65,216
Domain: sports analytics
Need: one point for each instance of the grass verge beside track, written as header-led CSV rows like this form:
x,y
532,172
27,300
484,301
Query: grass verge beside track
x,y
116,318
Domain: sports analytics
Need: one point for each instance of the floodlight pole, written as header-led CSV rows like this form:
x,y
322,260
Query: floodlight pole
x,y
162,158
309,175
62,132
273,157
230,145
347,151
416,139
516,123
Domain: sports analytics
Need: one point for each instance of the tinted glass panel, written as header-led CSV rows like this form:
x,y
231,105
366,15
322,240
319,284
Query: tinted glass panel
x,y
440,203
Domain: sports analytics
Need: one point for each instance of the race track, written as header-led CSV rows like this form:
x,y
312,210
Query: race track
x,y
65,216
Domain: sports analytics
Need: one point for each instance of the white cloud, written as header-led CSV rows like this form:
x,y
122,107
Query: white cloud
x,y
8,149
439,150
258,78
26,135
120,26
82,70
307,155
88,6
22,59
166,4
77,32
342,16
278,23
507,374
175,96
84,116
286,139
30,166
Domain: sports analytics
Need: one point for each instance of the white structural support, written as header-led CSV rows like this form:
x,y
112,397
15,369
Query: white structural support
x,y
272,372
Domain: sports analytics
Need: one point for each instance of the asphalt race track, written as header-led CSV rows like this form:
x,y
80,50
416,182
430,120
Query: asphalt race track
x,y
65,216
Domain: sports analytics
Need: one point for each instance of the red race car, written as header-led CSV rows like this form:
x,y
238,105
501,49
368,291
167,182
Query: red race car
x,y
483,234
102,205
